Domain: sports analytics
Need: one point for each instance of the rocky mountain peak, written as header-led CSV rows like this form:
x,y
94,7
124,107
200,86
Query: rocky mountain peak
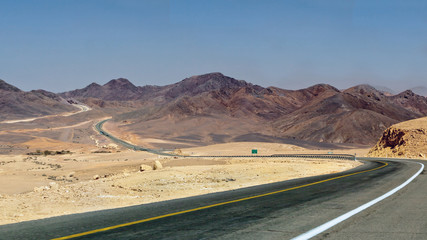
x,y
122,83
204,83
318,88
407,93
7,87
363,89
213,81
93,85
367,91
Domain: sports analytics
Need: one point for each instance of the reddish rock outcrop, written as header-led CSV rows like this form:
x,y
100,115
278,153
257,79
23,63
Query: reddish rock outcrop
x,y
406,140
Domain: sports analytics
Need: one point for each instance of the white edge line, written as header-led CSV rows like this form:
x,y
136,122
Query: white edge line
x,y
333,222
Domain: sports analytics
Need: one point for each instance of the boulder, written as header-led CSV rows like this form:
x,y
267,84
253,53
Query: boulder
x,y
144,167
157,165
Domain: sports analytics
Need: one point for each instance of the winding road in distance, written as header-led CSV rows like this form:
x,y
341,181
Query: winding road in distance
x,y
82,108
382,199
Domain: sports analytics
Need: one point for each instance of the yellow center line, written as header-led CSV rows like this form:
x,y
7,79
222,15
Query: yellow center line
x,y
213,205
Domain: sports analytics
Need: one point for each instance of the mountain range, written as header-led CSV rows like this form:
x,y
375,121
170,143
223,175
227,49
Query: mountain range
x,y
213,108
16,104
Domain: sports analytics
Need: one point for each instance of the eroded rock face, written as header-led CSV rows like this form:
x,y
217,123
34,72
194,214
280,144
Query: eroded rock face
x,y
401,142
392,138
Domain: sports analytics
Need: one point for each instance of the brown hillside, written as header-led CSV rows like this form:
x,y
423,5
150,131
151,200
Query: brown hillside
x,y
320,113
115,90
412,101
16,104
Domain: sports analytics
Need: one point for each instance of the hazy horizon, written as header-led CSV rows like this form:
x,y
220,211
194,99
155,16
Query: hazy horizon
x,y
60,46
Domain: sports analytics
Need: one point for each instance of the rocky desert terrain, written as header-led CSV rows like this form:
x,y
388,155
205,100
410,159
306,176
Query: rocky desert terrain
x,y
54,162
213,108
403,140
34,187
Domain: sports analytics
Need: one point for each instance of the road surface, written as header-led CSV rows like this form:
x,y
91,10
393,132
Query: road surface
x,y
82,108
99,128
281,210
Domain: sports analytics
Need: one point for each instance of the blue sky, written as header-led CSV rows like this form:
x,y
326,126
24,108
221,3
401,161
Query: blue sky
x,y
63,45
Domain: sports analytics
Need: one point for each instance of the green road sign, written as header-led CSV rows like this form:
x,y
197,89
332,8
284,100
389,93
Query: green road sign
x,y
254,151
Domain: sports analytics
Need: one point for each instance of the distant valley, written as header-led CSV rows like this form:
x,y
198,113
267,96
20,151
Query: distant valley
x,y
213,108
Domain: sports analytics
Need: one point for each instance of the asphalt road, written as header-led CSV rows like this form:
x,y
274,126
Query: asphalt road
x,y
98,127
100,124
401,216
273,211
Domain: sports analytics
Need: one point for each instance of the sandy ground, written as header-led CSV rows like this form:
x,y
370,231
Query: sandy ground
x,y
34,187
245,148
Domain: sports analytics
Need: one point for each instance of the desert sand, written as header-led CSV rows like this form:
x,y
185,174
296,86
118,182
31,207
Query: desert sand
x,y
92,173
34,187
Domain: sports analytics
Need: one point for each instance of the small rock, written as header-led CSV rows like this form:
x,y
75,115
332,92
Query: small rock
x,y
157,165
229,180
95,177
144,167
112,146
71,174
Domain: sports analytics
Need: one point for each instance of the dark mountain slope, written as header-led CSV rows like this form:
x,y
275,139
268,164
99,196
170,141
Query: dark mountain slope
x,y
115,90
410,100
123,90
319,113
342,118
7,87
16,104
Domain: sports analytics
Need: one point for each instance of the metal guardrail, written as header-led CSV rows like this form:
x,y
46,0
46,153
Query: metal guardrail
x,y
311,156
98,127
322,156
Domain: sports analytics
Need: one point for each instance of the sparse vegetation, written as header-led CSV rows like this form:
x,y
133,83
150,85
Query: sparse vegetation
x,y
101,151
52,178
6,162
48,152
54,166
